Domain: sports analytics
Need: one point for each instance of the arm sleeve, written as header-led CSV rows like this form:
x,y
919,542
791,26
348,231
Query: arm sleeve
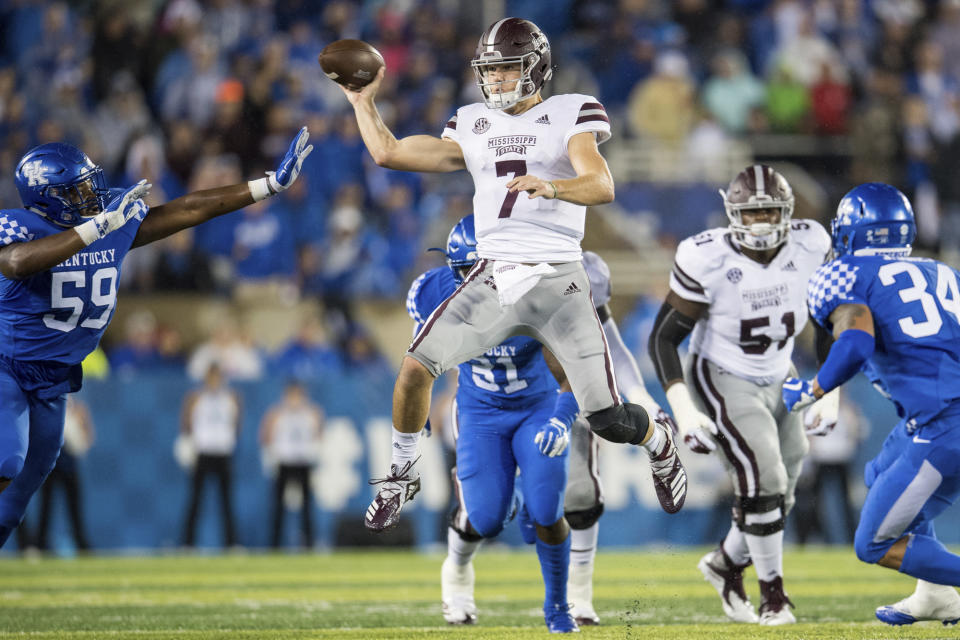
x,y
849,353
591,117
822,341
669,330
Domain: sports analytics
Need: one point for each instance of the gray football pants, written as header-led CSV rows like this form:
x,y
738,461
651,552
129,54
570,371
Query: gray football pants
x,y
557,311
584,491
762,445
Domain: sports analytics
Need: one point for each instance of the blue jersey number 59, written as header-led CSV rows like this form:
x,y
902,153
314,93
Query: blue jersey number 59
x,y
103,293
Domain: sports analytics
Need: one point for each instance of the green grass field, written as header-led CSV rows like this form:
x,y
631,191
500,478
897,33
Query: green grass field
x,y
380,595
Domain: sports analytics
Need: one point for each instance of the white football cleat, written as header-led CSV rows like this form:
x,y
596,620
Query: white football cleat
x,y
929,602
456,590
727,579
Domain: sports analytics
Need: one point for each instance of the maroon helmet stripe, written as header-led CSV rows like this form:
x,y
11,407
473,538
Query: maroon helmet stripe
x,y
597,116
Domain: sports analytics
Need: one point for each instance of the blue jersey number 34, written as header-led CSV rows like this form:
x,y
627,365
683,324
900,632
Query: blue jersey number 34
x,y
947,294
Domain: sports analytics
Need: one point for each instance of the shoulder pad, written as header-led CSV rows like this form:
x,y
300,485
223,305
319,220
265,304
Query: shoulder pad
x,y
811,235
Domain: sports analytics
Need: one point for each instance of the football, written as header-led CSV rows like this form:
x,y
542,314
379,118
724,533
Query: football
x,y
352,63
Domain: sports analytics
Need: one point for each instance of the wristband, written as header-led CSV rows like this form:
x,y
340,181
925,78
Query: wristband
x,y
555,192
260,189
566,408
849,351
88,232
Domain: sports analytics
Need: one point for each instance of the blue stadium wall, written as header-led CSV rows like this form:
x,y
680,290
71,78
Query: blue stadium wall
x,y
135,495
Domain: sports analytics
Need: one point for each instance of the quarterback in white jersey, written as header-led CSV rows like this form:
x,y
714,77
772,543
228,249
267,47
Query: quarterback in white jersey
x,y
497,147
536,166
741,290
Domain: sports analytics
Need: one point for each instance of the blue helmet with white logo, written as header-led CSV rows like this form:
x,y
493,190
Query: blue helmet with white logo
x,y
873,218
461,248
60,182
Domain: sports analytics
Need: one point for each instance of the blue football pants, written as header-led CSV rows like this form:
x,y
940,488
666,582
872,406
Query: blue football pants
x,y
31,434
490,447
907,490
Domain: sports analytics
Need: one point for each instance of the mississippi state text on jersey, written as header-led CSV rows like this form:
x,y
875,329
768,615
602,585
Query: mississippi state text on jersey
x,y
755,309
497,147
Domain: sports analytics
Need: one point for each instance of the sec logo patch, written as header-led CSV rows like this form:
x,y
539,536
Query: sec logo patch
x,y
734,275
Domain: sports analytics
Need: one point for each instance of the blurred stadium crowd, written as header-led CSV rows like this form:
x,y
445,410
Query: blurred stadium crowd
x,y
195,93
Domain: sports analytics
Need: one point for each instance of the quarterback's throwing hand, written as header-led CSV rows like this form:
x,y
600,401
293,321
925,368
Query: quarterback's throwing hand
x,y
552,438
534,186
798,393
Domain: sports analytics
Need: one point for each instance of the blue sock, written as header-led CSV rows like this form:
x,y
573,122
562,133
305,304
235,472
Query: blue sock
x,y
927,559
554,565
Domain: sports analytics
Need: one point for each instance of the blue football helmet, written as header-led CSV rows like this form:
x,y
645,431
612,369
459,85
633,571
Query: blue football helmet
x,y
873,219
60,182
461,248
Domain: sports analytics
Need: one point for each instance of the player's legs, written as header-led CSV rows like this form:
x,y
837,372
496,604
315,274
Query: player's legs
x,y
465,325
46,437
279,486
750,445
484,487
14,436
543,482
582,506
911,492
893,446
559,312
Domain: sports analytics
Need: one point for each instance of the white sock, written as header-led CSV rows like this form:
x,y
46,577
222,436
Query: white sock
x,y
934,590
735,545
767,554
459,550
655,442
404,447
583,546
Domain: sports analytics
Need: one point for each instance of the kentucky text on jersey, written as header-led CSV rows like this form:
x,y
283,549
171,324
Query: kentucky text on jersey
x,y
84,258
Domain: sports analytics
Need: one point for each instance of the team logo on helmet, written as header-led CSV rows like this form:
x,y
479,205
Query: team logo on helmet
x,y
481,126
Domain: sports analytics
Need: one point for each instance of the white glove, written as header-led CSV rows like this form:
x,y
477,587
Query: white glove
x,y
286,174
821,417
695,426
552,438
128,205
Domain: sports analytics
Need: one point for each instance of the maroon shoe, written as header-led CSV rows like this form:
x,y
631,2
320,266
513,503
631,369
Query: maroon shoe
x,y
669,476
774,603
401,485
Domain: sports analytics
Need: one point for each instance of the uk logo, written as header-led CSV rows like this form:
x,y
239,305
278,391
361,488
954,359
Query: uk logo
x,y
33,171
481,126
734,275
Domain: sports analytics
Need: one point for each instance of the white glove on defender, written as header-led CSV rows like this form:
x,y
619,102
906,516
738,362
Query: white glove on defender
x,y
117,213
821,417
695,426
